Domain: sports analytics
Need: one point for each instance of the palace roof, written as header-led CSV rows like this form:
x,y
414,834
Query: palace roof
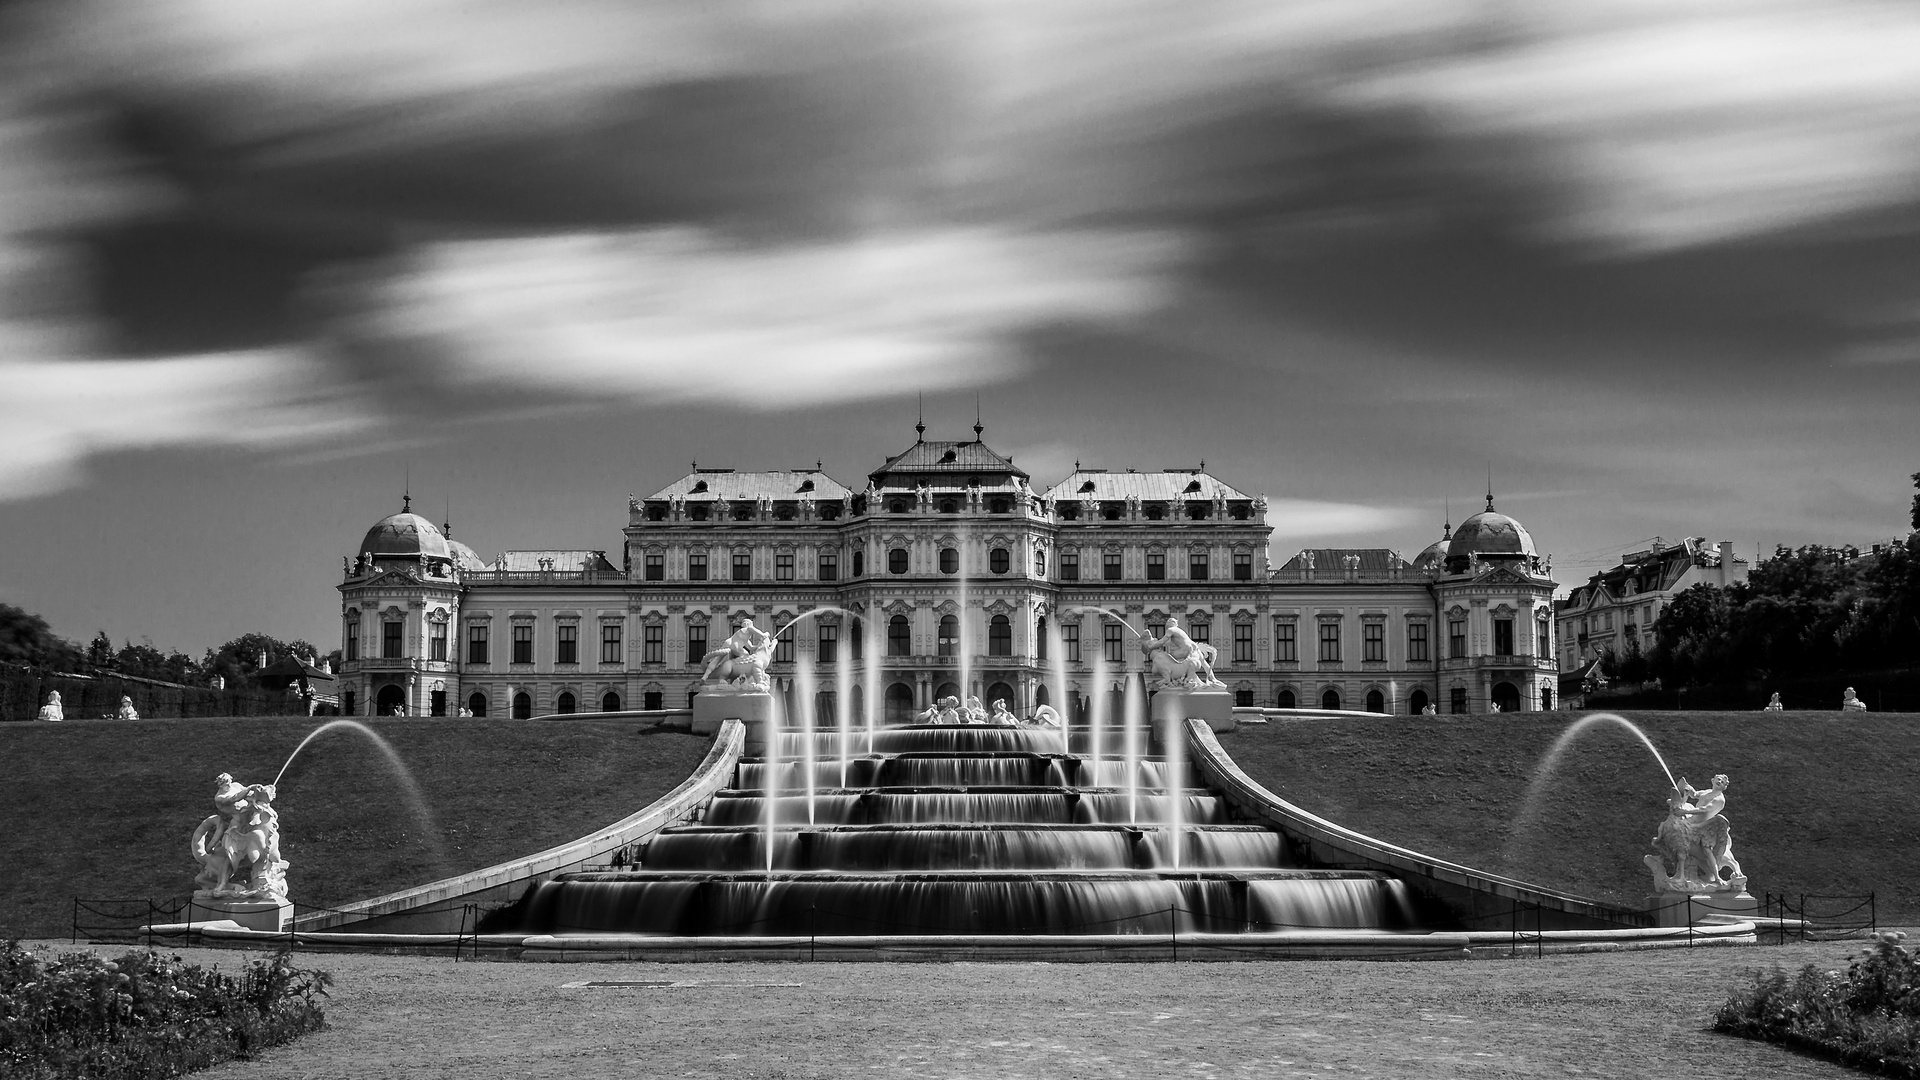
x,y
1174,485
1332,560
940,456
564,560
776,484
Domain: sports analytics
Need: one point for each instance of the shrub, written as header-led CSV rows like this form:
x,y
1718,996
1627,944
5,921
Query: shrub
x,y
144,1014
1868,1017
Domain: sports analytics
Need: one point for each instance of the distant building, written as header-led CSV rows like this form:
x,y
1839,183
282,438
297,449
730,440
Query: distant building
x,y
946,553
1617,608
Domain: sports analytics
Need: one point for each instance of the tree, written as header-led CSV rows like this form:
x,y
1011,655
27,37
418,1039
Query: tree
x,y
147,662
1691,640
100,652
25,638
238,661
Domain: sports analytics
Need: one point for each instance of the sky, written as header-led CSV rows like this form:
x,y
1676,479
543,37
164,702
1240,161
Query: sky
x,y
1653,268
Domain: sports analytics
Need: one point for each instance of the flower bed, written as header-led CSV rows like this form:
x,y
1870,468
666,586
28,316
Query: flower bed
x,y
144,1014
1867,1016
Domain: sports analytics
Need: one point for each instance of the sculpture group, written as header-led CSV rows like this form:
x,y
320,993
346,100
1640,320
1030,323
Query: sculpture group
x,y
1693,850
238,849
741,661
1178,661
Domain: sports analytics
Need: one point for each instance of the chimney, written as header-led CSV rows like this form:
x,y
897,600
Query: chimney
x,y
1726,563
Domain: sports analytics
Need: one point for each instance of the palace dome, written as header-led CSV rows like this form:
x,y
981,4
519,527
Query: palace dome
x,y
1434,557
1490,535
407,535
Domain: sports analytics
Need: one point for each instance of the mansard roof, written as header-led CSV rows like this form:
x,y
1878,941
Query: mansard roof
x,y
776,484
940,456
567,560
1171,485
1325,559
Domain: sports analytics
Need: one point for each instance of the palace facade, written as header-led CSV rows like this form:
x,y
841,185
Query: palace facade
x,y
946,566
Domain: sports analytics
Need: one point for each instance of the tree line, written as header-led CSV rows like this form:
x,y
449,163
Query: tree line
x,y
26,639
1806,611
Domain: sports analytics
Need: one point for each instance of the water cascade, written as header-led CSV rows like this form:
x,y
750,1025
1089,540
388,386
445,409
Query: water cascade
x,y
1133,718
805,706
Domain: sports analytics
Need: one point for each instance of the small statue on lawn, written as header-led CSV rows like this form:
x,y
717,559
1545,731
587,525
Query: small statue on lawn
x,y
1850,702
52,710
1773,704
127,711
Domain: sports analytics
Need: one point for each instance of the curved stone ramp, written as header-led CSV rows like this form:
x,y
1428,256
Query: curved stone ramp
x,y
439,907
1478,901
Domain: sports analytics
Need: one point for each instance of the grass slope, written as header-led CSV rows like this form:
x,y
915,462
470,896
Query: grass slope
x,y
1819,802
103,809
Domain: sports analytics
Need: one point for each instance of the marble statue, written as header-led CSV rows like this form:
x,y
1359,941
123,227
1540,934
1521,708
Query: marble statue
x,y
1850,702
1429,710
52,710
1696,840
1002,716
1044,716
973,712
740,662
238,849
1179,662
127,711
1773,704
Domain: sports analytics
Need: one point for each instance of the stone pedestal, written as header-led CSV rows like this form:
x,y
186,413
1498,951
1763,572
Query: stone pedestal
x,y
1683,909
1170,708
271,916
754,708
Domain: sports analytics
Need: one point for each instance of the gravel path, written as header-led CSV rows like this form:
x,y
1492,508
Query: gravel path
x,y
1603,1015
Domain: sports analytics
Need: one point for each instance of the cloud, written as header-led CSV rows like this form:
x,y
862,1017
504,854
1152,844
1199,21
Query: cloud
x,y
57,414
685,315
1305,519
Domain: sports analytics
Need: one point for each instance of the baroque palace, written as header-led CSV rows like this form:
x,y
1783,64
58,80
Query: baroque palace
x,y
957,564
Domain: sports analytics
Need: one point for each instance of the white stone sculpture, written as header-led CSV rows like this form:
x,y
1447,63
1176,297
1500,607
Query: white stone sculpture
x,y
238,849
1696,841
1850,702
1045,716
52,710
127,711
1773,704
740,662
1178,661
1429,710
1002,715
973,712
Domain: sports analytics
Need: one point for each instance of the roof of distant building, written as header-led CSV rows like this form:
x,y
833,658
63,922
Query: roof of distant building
x,y
1171,485
776,484
1333,559
939,456
564,560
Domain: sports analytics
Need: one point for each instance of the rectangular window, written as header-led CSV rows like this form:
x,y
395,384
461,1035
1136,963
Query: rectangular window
x,y
656,564
696,566
1373,641
1456,639
476,644
1243,643
437,701
436,641
1111,644
353,641
1070,639
653,699
653,644
1606,621
1503,637
566,640
783,649
696,643
1543,646
392,635
610,643
1201,631
1196,565
1069,566
1329,642
829,566
1286,645
1156,566
1110,565
1243,566
829,643
523,643
1417,642
743,566
1459,699
783,566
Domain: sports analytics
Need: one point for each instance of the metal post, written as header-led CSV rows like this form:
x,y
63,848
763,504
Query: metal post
x,y
812,927
1513,926
1173,924
75,938
1873,913
1539,934
1803,916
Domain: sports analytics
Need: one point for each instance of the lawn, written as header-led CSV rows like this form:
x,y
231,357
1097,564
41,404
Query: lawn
x,y
1819,802
103,809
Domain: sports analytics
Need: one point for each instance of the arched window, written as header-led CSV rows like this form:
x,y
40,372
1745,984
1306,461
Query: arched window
x,y
1041,697
859,563
998,560
899,638
948,506
1546,698
1002,692
1040,637
564,704
348,704
899,703
1330,699
946,690
857,641
897,506
896,560
522,706
1284,700
999,636
949,636
1039,562
391,701
1507,697
610,702
1417,704
949,561
1376,701
477,703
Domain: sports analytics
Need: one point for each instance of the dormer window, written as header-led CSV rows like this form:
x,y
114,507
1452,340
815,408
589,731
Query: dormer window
x,y
1110,511
1069,511
1193,487
1240,513
1086,487
785,513
806,485
897,506
830,511
743,512
949,458
998,506
699,488
948,506
656,512
698,511
1154,511
1197,511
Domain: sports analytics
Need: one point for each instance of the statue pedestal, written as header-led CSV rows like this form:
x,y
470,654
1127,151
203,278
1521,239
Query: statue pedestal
x,y
271,916
754,708
1684,909
1170,708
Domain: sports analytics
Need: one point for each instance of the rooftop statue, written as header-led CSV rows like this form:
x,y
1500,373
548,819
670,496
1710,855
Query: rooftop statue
x,y
1773,704
1850,702
740,662
1179,662
52,710
238,849
1697,842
